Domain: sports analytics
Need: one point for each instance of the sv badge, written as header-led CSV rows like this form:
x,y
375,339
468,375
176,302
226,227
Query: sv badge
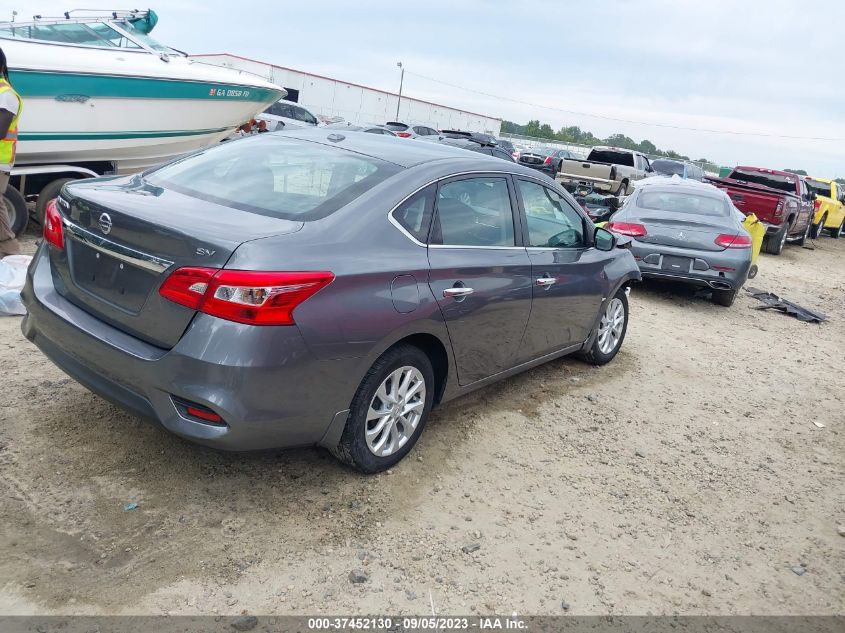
x,y
204,252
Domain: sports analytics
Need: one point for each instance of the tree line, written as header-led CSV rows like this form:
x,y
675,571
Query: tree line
x,y
574,134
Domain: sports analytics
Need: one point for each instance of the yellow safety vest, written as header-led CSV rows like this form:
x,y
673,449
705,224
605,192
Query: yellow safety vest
x,y
9,143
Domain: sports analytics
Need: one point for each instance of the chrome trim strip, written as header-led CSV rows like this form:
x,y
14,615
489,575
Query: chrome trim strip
x,y
118,251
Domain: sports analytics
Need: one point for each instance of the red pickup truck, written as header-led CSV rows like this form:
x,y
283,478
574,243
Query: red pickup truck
x,y
779,199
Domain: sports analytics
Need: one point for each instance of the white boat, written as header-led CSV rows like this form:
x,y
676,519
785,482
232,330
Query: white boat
x,y
97,88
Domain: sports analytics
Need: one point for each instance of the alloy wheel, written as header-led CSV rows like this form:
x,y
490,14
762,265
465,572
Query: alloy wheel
x,y
611,326
11,211
395,411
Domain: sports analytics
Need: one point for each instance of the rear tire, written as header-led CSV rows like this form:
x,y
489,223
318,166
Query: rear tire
x,y
623,189
51,190
819,228
597,355
354,446
774,244
837,232
724,297
16,208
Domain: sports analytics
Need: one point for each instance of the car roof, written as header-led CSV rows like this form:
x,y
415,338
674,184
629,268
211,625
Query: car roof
x,y
402,152
824,180
766,170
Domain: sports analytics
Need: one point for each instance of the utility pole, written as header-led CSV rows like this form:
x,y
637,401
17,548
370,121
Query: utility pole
x,y
401,81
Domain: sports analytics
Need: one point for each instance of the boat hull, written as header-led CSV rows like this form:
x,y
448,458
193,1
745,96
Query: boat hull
x,y
73,115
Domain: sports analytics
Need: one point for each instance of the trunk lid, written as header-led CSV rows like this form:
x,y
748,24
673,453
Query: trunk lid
x,y
680,230
124,236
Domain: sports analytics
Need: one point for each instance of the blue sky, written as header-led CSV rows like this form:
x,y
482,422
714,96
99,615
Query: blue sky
x,y
771,68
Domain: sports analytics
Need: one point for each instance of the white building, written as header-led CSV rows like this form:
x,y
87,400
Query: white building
x,y
356,103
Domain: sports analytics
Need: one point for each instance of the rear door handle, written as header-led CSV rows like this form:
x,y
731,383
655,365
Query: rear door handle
x,y
546,281
459,291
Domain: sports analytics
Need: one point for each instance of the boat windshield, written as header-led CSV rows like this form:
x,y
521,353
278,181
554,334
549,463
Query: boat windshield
x,y
146,40
99,34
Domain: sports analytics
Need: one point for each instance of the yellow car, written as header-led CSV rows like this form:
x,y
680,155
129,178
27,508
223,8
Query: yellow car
x,y
829,207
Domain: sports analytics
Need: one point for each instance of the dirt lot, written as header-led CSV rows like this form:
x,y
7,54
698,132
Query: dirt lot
x,y
686,477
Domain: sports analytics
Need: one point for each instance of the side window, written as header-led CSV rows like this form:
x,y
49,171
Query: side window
x,y
415,213
552,222
474,212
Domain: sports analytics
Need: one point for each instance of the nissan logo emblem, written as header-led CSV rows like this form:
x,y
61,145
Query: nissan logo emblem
x,y
105,223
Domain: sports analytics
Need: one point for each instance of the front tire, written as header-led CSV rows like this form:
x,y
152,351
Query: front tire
x,y
611,331
389,410
837,232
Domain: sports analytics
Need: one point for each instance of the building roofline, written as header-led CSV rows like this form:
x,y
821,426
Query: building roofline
x,y
349,83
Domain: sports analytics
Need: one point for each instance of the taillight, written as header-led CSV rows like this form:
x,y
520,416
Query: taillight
x,y
403,134
817,204
53,231
779,209
627,228
548,160
733,241
244,296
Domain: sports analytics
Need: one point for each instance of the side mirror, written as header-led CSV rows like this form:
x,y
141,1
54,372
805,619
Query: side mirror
x,y
604,240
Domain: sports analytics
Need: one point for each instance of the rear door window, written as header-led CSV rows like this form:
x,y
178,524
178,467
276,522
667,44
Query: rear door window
x,y
474,212
551,220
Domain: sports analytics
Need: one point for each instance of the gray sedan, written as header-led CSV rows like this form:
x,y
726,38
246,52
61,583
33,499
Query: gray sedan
x,y
688,231
319,288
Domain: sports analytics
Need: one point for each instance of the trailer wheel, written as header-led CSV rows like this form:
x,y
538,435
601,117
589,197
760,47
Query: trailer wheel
x,y
16,208
50,191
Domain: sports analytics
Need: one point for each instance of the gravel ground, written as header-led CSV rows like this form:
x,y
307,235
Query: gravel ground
x,y
688,476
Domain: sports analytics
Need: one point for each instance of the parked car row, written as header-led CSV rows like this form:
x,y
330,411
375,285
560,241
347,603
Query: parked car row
x,y
330,284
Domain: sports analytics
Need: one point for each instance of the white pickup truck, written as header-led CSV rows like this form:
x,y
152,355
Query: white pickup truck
x,y
607,170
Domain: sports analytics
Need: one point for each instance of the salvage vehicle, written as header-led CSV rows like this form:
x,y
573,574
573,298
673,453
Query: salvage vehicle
x,y
682,168
369,129
287,115
779,199
473,145
828,207
687,231
405,130
547,160
319,288
607,169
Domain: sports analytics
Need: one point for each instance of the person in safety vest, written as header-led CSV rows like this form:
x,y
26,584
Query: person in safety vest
x,y
10,111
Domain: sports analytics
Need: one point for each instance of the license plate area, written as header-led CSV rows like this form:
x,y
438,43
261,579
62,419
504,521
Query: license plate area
x,y
676,264
110,279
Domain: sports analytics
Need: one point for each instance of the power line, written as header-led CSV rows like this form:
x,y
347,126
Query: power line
x,y
618,120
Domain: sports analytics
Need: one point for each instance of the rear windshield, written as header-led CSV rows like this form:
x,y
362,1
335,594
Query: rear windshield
x,y
683,202
276,176
819,188
668,167
612,157
775,181
396,127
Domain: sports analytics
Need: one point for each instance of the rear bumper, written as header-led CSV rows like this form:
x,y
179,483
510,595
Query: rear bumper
x,y
702,269
264,382
546,169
